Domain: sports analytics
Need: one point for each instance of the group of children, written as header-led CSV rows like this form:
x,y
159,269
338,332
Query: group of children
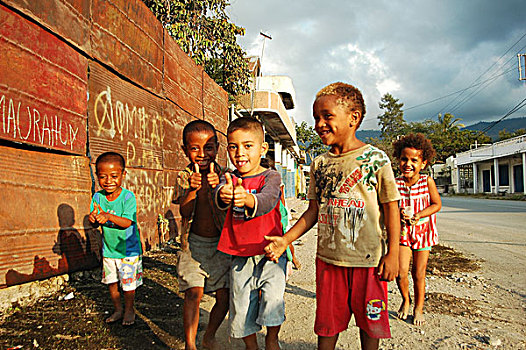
x,y
233,243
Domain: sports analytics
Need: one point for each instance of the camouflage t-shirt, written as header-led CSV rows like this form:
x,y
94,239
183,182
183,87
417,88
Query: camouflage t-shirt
x,y
350,189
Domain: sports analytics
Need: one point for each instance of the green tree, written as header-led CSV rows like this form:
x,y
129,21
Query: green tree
x,y
392,123
447,137
309,140
448,122
203,30
504,134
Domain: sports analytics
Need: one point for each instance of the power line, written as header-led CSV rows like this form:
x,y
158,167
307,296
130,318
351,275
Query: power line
x,y
513,110
478,90
459,91
481,75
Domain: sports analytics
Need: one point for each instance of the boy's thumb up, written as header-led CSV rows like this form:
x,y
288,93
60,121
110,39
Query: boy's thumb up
x,y
228,179
196,168
239,182
212,168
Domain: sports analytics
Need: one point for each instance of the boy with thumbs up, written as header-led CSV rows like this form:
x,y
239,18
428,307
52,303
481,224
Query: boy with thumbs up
x,y
201,268
252,197
115,209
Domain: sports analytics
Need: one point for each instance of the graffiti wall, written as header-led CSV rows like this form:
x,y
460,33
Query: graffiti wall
x,y
79,78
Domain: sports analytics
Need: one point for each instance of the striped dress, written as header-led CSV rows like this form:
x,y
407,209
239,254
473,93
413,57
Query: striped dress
x,y
424,233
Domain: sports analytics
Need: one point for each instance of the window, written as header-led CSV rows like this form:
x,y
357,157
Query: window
x,y
504,178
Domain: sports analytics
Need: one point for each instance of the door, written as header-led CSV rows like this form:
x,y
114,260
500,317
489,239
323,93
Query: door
x,y
518,179
486,181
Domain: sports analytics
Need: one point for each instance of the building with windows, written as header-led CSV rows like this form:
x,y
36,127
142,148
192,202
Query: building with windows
x,y
496,168
270,100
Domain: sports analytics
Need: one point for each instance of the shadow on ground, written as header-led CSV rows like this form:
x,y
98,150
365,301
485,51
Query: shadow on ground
x,y
78,323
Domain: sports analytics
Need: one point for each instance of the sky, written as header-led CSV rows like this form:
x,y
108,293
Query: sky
x,y
461,54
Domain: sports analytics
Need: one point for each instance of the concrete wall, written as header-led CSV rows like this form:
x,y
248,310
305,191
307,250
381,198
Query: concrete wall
x,y
78,78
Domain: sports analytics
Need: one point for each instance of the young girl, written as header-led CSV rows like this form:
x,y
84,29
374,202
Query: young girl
x,y
420,201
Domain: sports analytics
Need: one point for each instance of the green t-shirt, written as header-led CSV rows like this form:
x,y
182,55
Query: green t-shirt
x,y
119,242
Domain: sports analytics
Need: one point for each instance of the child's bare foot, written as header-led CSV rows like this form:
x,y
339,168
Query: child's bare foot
x,y
419,318
128,319
210,344
117,315
272,344
403,311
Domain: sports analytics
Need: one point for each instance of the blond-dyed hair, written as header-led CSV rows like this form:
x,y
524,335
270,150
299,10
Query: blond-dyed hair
x,y
346,95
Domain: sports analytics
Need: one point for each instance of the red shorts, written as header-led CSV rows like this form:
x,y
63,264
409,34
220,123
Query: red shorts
x,y
343,291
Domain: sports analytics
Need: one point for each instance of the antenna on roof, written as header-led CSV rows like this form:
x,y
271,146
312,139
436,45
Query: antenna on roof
x,y
265,37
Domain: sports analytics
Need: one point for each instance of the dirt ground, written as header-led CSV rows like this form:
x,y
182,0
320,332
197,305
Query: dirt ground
x,y
464,310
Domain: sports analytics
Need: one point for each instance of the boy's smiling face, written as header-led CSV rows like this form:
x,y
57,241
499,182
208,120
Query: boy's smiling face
x,y
110,175
201,148
245,148
333,121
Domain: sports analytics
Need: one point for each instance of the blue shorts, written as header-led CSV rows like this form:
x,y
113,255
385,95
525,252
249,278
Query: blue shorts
x,y
248,311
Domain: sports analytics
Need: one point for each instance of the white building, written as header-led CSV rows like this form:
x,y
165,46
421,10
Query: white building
x,y
496,168
270,100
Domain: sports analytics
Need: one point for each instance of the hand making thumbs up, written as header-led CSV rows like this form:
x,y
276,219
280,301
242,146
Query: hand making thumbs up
x,y
102,217
195,179
226,193
240,194
212,177
93,215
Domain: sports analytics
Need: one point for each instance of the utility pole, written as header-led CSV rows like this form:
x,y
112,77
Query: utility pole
x,y
522,66
265,37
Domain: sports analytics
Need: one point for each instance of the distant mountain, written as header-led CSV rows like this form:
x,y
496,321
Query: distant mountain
x,y
509,124
364,134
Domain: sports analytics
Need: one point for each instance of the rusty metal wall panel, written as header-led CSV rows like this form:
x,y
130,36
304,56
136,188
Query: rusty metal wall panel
x,y
216,112
128,37
43,86
68,18
124,118
44,208
170,210
174,120
148,188
215,101
183,79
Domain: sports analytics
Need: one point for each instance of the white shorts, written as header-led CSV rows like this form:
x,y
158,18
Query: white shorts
x,y
127,271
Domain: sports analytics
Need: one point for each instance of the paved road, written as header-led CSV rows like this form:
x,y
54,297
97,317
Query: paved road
x,y
494,230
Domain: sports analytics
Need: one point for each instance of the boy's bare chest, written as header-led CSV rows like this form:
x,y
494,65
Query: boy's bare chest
x,y
203,222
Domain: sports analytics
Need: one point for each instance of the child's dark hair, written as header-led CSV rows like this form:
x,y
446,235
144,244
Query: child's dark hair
x,y
347,95
268,163
416,141
247,124
110,157
198,126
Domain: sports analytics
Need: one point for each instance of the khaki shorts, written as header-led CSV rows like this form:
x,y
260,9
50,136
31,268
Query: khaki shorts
x,y
127,271
202,265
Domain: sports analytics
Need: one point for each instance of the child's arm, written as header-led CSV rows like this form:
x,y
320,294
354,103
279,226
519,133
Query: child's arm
x,y
264,201
186,201
278,244
435,203
388,266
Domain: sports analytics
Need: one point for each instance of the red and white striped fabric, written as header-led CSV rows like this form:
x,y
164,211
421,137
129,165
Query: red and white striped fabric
x,y
424,233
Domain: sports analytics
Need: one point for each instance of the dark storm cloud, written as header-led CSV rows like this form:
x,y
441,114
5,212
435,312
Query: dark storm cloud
x,y
416,50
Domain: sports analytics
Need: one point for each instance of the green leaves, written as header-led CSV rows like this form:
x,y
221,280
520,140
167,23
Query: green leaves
x,y
202,30
309,140
445,132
